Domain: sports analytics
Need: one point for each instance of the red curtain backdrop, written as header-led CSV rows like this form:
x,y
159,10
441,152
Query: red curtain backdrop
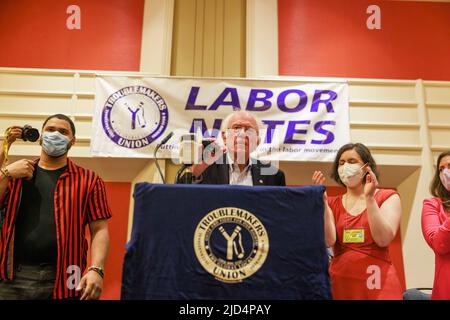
x,y
329,38
33,34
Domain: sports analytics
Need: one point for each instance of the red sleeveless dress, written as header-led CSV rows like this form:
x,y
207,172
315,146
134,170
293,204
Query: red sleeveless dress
x,y
361,271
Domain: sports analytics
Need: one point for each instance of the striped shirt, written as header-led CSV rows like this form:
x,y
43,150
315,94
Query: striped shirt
x,y
79,199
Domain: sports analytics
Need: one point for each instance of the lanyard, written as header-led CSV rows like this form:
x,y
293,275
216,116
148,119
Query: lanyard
x,y
6,146
351,235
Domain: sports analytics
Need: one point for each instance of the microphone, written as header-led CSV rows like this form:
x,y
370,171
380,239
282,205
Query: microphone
x,y
164,141
159,145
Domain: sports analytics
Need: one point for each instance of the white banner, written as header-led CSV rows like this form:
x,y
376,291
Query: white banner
x,y
298,122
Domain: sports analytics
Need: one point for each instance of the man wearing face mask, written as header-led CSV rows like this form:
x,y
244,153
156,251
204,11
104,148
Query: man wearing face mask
x,y
436,226
359,226
46,204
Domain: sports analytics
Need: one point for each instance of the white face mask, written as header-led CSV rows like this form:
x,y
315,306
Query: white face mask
x,y
445,178
350,174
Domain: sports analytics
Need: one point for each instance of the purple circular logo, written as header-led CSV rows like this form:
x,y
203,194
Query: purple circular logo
x,y
135,116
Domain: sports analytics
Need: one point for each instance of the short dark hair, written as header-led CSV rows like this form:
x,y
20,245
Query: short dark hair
x,y
362,151
437,189
61,117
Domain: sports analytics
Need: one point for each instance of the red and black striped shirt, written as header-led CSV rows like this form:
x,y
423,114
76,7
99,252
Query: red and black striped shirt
x,y
79,199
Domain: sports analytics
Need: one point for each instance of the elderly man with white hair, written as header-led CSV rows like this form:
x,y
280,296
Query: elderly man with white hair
x,y
240,133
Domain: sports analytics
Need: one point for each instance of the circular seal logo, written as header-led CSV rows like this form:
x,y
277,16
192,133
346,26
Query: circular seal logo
x,y
231,244
134,116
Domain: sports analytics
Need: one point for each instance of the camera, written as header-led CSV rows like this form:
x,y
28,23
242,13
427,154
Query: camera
x,y
29,133
190,152
209,147
207,142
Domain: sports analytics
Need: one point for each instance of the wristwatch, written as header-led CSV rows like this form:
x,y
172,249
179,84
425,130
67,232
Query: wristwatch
x,y
97,269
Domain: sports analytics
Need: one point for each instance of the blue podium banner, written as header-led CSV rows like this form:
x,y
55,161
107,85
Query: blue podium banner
x,y
226,242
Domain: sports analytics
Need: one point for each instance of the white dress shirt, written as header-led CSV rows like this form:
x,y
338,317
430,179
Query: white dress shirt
x,y
238,177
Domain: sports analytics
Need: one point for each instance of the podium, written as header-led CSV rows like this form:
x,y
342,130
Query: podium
x,y
226,242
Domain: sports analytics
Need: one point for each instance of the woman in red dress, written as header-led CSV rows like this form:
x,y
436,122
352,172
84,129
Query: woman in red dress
x,y
359,226
436,226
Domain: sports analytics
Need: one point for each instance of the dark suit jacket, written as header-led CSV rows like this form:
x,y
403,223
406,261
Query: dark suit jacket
x,y
219,173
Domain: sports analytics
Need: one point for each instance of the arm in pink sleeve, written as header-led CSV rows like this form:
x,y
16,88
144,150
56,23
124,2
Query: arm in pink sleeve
x,y
437,235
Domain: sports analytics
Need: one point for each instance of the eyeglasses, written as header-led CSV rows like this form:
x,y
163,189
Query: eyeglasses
x,y
247,130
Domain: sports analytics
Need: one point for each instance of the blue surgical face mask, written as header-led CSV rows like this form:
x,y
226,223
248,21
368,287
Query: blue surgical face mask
x,y
54,143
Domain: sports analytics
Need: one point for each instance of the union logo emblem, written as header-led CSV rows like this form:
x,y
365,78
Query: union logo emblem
x,y
231,244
